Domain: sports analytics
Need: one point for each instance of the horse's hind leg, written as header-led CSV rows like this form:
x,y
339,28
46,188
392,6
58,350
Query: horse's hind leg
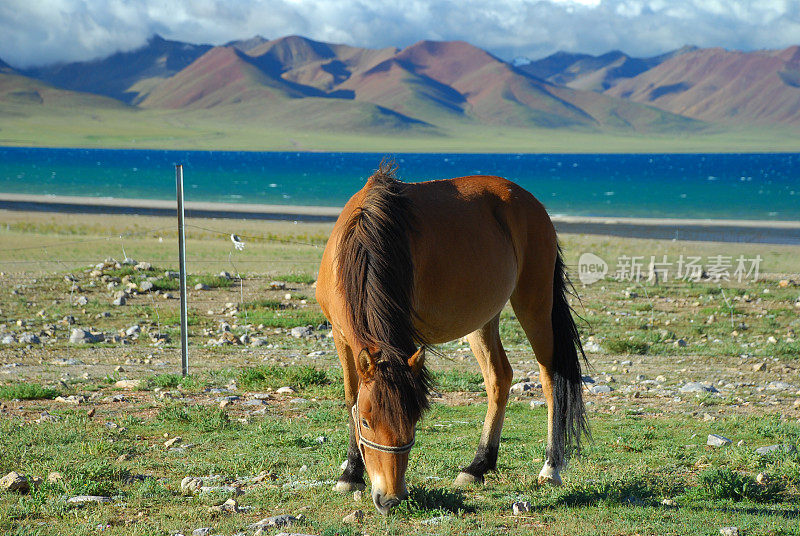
x,y
491,356
353,476
539,330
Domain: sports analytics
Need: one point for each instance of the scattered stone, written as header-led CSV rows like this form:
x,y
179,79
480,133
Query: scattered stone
x,y
191,485
146,286
119,301
258,341
593,347
277,285
71,399
282,520
14,481
521,507
261,396
201,286
172,442
715,440
358,495
762,479
204,531
128,384
669,502
285,391
771,449
522,387
698,387
729,531
355,517
228,507
251,403
780,386
81,301
680,343
538,404
55,477
8,339
143,266
29,338
85,499
600,389
83,336
133,330
301,332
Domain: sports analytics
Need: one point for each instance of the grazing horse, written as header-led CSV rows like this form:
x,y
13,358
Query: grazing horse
x,y
409,265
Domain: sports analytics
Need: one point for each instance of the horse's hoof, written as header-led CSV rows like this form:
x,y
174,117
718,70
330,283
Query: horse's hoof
x,y
549,475
467,479
343,486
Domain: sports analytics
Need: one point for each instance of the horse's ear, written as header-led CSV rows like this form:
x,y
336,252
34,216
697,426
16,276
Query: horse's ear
x,y
417,361
366,364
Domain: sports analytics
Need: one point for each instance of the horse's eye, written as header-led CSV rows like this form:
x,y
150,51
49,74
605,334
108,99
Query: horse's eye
x,y
364,423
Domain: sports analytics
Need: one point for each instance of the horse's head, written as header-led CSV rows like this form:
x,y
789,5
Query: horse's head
x,y
392,396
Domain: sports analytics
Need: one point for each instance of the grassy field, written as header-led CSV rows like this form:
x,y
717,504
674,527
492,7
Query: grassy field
x,y
243,128
647,469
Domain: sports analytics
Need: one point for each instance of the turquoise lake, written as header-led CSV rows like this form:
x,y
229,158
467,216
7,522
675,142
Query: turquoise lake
x,y
731,186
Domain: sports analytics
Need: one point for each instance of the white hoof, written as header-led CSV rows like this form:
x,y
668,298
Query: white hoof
x,y
466,479
549,475
346,487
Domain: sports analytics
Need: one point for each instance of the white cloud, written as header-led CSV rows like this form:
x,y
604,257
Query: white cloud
x,y
46,31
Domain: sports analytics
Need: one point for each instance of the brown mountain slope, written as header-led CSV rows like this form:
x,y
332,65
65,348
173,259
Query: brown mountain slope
x,y
223,75
593,73
497,93
720,85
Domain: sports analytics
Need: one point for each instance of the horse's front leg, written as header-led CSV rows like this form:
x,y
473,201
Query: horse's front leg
x,y
353,476
497,374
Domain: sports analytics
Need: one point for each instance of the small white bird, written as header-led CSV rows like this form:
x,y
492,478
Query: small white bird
x,y
237,242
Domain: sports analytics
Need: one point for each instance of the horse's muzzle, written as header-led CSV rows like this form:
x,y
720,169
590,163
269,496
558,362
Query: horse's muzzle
x,y
384,503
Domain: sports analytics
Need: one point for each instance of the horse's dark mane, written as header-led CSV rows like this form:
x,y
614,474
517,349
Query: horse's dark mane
x,y
376,276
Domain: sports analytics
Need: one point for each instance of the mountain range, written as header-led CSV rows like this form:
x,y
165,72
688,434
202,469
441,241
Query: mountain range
x,y
428,88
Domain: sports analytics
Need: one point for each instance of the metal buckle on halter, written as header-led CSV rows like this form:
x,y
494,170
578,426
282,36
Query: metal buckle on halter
x,y
371,444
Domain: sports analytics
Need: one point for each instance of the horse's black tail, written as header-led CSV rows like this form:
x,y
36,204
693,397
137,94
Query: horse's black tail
x,y
569,413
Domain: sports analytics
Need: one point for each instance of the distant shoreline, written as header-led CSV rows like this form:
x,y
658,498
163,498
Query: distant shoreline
x,y
710,230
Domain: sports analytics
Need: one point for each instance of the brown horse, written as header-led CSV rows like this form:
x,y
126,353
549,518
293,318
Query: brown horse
x,y
410,265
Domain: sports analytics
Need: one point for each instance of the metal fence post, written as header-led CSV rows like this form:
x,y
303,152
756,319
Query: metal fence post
x,y
182,268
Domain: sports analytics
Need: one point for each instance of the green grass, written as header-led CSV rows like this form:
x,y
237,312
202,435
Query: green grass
x,y
631,465
26,391
275,377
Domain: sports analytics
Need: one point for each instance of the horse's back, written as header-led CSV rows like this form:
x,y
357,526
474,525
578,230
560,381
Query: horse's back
x,y
474,237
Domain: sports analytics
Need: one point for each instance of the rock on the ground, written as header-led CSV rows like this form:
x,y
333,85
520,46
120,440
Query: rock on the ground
x,y
729,531
83,336
282,520
355,517
172,442
71,399
191,485
201,286
780,386
146,286
715,440
301,332
14,481
203,531
128,384
84,499
600,389
698,387
285,391
119,301
770,449
521,507
29,338
522,387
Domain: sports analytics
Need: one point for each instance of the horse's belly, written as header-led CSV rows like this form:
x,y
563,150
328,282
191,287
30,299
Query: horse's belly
x,y
463,288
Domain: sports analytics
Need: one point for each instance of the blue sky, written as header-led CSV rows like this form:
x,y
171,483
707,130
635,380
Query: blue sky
x,y
36,32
